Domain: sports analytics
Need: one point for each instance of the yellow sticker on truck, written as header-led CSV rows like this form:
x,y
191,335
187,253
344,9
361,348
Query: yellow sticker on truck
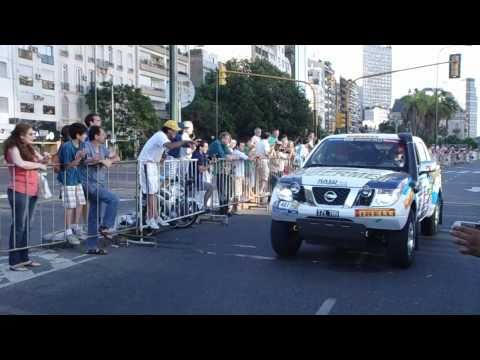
x,y
374,212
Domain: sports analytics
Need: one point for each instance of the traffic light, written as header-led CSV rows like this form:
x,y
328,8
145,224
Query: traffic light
x,y
340,120
222,74
454,69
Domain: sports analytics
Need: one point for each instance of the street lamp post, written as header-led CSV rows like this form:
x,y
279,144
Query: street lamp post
x,y
436,92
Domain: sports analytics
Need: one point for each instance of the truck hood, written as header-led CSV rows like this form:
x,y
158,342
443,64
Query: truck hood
x,y
347,177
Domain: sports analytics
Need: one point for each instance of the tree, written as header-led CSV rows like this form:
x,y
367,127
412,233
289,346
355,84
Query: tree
x,y
135,117
470,142
248,102
418,113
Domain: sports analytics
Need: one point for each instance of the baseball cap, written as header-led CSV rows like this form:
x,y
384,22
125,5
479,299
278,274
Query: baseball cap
x,y
172,124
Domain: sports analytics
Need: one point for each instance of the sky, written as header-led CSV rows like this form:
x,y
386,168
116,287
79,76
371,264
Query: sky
x,y
347,62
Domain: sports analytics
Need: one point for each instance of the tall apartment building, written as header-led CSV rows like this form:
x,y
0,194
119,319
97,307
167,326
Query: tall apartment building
x,y
377,91
153,73
275,54
316,76
330,87
201,63
471,107
353,103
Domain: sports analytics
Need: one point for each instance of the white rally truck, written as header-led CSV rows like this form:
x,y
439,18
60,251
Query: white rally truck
x,y
357,188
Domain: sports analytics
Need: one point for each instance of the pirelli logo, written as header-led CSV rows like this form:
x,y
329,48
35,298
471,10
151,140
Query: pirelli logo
x,y
374,212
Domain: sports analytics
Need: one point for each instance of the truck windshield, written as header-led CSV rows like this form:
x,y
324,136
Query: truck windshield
x,y
358,152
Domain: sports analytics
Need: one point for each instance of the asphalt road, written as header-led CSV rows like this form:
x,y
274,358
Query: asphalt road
x,y
217,269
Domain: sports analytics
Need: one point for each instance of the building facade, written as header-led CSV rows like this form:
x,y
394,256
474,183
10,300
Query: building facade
x,y
377,91
471,107
375,116
7,103
349,90
154,71
330,86
316,76
201,63
275,54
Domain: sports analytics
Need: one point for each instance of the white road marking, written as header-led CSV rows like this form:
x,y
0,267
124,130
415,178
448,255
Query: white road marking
x,y
244,246
79,256
326,307
15,277
257,257
474,189
460,203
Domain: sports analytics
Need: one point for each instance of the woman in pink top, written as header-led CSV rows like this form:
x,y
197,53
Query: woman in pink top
x,y
24,163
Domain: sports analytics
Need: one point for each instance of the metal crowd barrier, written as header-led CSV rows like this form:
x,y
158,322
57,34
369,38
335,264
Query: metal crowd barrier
x,y
179,195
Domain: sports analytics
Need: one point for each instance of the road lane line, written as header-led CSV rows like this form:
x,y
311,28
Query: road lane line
x,y
20,277
326,307
257,257
245,246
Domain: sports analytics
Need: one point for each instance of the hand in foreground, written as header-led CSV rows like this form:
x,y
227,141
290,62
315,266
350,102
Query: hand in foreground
x,y
468,239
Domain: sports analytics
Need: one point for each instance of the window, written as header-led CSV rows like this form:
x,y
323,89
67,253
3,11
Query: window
x,y
48,80
65,107
25,52
119,58
91,52
92,77
144,58
26,103
130,61
3,69
110,54
49,105
3,105
25,76
65,73
101,52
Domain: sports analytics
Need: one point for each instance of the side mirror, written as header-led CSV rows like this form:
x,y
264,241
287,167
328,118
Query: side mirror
x,y
427,167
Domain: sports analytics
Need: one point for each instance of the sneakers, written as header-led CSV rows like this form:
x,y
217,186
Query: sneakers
x,y
80,233
73,240
152,224
162,222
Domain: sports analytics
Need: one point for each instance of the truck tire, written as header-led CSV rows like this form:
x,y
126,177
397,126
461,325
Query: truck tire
x,y
430,225
285,241
401,244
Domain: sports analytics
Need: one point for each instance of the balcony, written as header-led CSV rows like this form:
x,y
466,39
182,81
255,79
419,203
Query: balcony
x,y
25,54
79,57
48,85
150,91
65,86
154,68
157,48
64,53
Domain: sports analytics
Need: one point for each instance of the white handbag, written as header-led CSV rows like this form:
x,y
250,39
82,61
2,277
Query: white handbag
x,y
43,188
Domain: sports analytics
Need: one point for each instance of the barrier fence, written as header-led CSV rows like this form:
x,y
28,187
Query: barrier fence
x,y
173,191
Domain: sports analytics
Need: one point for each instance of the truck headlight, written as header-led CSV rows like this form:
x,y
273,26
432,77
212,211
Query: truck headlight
x,y
285,192
384,197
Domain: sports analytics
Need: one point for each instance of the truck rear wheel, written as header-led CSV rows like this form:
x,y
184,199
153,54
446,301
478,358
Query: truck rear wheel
x,y
401,244
285,241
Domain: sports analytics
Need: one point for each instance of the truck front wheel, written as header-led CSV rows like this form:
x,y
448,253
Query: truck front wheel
x,y
285,240
401,244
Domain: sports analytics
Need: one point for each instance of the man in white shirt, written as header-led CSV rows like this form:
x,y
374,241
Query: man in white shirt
x,y
256,137
263,151
149,163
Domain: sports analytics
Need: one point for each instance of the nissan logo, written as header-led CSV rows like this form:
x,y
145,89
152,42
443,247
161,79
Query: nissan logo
x,y
330,196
